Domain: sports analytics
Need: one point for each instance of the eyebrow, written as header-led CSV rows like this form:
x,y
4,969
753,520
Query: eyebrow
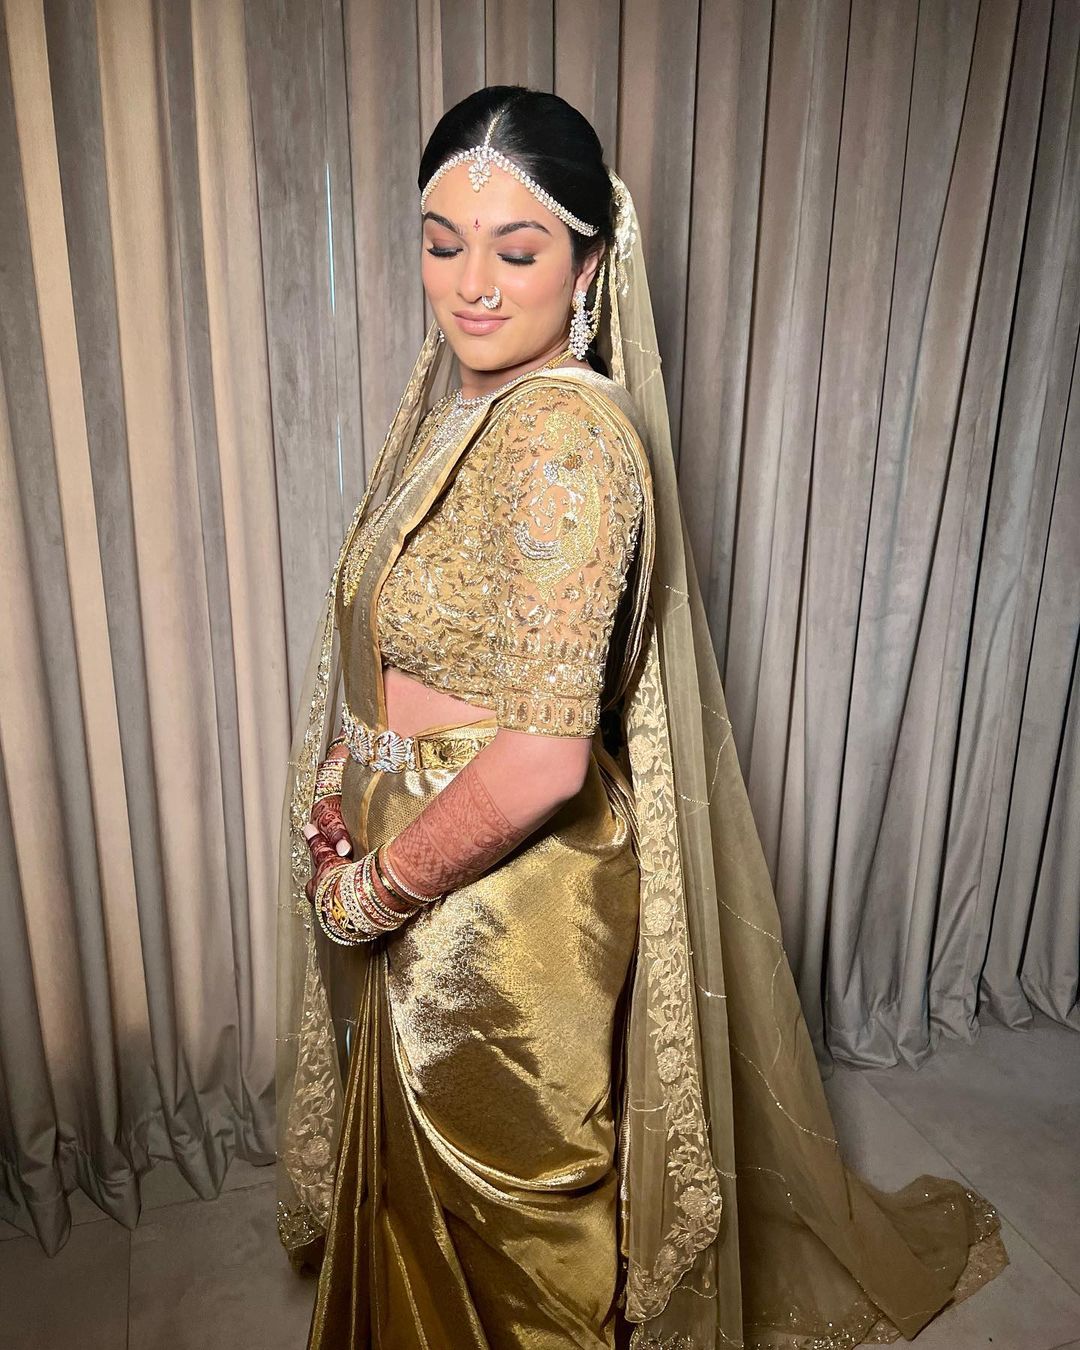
x,y
497,231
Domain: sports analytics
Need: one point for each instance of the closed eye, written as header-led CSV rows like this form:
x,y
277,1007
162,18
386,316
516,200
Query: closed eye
x,y
518,260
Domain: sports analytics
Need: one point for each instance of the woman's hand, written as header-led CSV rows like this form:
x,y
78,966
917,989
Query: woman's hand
x,y
326,814
323,858
330,823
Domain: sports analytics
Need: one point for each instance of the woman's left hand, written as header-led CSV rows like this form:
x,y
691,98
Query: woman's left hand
x,y
323,858
327,818
326,814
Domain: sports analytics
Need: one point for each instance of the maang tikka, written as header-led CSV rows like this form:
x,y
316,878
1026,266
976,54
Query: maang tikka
x,y
481,158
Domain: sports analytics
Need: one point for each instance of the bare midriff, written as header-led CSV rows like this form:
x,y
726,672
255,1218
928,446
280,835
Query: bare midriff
x,y
413,707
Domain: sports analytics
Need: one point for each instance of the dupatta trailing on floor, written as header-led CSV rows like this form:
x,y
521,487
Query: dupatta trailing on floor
x,y
740,1223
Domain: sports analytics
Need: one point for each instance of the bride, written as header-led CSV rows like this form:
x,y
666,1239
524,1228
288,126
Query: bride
x,y
543,1073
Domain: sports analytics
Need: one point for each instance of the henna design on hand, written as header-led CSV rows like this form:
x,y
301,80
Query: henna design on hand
x,y
322,857
455,839
327,818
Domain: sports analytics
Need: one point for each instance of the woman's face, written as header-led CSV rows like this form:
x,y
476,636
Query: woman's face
x,y
500,236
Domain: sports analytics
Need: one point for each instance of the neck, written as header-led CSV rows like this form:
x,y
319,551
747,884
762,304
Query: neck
x,y
477,382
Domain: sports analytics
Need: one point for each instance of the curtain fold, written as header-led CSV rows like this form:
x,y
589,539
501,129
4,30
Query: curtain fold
x,y
144,719
861,222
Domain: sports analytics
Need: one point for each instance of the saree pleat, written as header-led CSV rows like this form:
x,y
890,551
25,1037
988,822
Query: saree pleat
x,y
476,1197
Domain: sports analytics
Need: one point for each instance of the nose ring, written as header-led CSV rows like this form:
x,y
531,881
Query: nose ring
x,y
494,301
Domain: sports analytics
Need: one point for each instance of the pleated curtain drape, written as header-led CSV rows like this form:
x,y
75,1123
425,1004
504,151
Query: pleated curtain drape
x,y
861,222
144,714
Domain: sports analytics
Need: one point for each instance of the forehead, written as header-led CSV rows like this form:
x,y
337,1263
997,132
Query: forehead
x,y
500,199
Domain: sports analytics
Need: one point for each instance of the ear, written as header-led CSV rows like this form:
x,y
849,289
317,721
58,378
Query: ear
x,y
583,279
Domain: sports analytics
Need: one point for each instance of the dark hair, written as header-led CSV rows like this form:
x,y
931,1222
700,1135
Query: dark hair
x,y
548,138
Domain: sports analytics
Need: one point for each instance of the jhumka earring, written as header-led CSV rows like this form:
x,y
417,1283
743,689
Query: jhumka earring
x,y
583,325
493,301
579,327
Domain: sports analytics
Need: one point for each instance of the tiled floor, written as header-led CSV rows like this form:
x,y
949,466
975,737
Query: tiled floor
x,y
1004,1114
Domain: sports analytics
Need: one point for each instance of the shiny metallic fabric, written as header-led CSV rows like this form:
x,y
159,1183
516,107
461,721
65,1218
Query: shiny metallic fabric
x,y
476,1199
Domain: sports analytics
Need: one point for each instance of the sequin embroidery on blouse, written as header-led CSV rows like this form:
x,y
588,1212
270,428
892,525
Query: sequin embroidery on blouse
x,y
506,593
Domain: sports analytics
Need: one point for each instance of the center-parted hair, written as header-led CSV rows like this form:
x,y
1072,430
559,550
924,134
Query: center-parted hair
x,y
548,138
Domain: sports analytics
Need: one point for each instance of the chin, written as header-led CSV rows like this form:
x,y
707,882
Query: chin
x,y
480,353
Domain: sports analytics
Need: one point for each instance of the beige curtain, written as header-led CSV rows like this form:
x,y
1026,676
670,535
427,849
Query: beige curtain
x,y
861,222
144,713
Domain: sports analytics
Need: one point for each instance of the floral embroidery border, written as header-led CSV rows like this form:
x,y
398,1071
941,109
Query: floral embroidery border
x,y
663,950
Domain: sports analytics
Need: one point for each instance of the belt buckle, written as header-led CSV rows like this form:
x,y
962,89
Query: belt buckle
x,y
358,738
392,752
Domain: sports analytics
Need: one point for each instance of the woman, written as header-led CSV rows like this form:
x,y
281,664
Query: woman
x,y
524,879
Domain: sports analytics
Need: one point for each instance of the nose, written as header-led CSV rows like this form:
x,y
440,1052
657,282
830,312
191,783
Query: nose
x,y
474,280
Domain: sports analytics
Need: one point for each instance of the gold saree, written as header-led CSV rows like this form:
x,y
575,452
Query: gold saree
x,y
584,1079
476,1195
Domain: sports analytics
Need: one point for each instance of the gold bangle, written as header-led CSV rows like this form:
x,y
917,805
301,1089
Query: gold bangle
x,y
330,926
328,880
388,886
329,777
378,912
406,892
350,903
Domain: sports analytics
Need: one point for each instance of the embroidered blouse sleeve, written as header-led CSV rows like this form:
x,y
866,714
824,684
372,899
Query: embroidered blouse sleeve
x,y
567,511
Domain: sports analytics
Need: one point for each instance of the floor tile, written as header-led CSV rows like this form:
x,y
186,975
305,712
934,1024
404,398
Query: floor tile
x,y
877,1140
243,1174
163,1184
1006,1112
211,1275
82,1208
1028,1306
75,1300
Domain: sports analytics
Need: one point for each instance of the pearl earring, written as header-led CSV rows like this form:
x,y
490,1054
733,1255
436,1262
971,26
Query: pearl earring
x,y
583,325
579,327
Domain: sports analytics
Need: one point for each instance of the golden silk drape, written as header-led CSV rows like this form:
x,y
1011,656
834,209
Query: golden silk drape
x,y
476,1195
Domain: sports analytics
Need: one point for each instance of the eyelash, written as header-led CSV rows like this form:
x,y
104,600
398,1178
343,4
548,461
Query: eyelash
x,y
453,252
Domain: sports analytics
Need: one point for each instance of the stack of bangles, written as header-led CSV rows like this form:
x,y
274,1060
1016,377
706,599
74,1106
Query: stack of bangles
x,y
347,901
331,773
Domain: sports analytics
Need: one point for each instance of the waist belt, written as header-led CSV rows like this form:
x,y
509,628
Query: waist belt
x,y
389,752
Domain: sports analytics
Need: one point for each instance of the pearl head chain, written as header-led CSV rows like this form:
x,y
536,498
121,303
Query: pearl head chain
x,y
482,157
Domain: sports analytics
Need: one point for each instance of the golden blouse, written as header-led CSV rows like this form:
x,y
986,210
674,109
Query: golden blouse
x,y
505,594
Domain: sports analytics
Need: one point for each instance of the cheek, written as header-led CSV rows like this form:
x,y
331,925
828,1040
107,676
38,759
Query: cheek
x,y
434,273
540,288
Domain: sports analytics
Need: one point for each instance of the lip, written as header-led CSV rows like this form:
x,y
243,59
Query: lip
x,y
477,326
